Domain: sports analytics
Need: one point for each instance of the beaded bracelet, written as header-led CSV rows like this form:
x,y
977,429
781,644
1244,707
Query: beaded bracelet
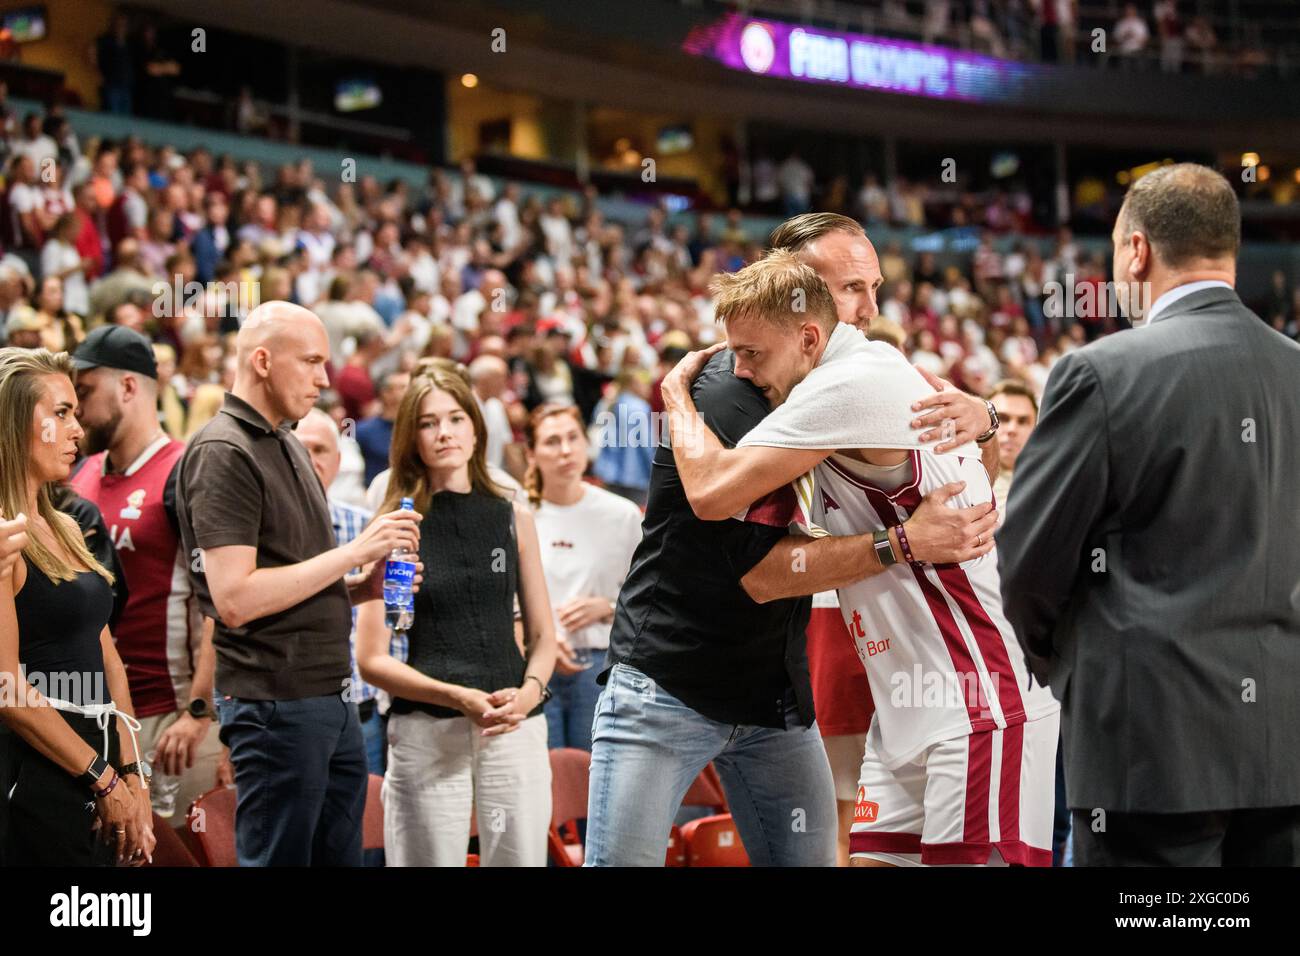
x,y
99,794
902,543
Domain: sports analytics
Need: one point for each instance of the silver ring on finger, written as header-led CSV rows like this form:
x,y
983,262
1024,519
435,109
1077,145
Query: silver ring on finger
x,y
980,538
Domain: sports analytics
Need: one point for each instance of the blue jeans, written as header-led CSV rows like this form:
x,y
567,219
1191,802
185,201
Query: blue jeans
x,y
648,748
374,732
572,706
300,772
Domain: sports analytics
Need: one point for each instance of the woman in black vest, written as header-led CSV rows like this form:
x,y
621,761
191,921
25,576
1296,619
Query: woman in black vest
x,y
65,800
466,726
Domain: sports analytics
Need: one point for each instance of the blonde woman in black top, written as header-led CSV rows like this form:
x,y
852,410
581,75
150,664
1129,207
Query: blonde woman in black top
x,y
66,796
466,728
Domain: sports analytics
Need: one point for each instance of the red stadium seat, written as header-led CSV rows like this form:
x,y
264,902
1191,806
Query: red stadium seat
x,y
171,849
372,825
570,777
570,772
212,822
676,849
707,791
713,841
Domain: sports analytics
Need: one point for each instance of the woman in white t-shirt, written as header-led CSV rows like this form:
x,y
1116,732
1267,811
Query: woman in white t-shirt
x,y
61,260
587,536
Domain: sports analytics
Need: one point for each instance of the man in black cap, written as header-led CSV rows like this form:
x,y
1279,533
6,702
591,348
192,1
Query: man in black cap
x,y
164,641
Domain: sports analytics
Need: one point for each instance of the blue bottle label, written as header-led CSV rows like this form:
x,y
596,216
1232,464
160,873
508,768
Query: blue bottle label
x,y
401,573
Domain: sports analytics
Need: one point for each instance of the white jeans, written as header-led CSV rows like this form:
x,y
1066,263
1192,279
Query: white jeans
x,y
441,770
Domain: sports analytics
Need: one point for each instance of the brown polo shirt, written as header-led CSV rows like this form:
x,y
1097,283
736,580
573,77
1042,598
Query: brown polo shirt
x,y
243,482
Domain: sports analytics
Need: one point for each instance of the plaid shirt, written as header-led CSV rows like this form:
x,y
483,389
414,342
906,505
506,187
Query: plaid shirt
x,y
348,523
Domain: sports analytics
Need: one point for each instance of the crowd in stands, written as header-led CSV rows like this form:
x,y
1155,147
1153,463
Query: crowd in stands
x,y
1169,35
138,77
542,297
791,187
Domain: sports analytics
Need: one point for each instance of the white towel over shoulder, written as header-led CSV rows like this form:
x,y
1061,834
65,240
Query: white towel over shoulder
x,y
860,395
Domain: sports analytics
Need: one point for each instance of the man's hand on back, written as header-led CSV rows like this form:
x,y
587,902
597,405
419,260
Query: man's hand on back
x,y
953,415
686,427
677,383
942,535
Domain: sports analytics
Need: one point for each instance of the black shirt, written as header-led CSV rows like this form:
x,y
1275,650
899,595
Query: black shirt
x,y
59,623
683,618
243,482
463,631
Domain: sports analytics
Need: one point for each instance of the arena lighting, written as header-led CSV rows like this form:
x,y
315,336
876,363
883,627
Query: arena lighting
x,y
1263,173
813,55
469,81
1250,159
1137,172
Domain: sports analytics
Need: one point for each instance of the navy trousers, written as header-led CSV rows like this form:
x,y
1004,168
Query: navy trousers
x,y
300,772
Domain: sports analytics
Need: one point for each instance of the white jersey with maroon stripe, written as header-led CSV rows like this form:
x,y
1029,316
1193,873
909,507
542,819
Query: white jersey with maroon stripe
x,y
941,659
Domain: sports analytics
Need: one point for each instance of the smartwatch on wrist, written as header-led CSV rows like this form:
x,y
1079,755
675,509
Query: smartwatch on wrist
x,y
96,770
200,708
884,548
993,429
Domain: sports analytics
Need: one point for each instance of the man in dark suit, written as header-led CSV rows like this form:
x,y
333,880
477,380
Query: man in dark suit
x,y
211,244
1150,558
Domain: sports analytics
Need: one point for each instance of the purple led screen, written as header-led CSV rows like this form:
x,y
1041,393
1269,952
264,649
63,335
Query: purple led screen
x,y
814,55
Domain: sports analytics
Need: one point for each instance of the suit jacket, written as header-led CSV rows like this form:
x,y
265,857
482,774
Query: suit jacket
x,y
1150,561
203,246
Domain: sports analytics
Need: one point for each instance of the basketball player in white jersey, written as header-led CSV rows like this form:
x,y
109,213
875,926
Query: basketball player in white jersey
x,y
960,756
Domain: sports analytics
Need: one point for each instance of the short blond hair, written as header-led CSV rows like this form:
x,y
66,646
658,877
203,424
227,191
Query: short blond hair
x,y
778,289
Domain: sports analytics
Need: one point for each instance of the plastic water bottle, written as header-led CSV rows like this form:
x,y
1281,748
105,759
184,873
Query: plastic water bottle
x,y
583,657
399,581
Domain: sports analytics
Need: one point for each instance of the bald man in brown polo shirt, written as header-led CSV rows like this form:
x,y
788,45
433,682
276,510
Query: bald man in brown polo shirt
x,y
264,565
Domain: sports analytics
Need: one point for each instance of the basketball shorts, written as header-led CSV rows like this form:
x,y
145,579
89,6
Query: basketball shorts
x,y
980,799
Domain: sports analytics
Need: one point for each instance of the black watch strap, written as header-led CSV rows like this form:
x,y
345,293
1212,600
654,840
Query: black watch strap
x,y
141,770
96,770
884,549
